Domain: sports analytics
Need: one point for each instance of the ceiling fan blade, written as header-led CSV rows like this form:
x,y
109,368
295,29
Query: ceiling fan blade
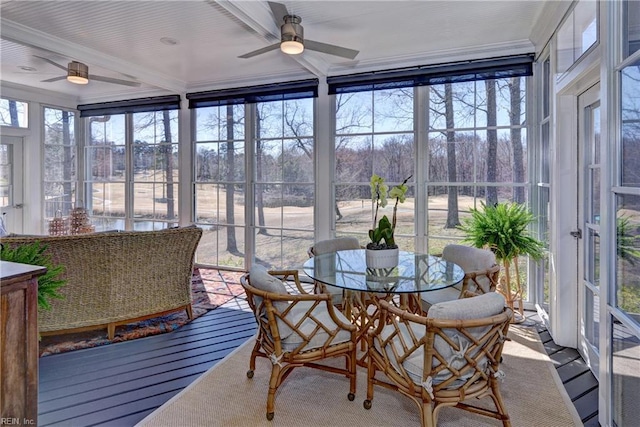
x,y
112,80
331,49
279,12
62,67
260,51
54,79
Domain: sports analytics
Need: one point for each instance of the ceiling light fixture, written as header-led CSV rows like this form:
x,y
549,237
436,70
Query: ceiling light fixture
x,y
78,73
292,47
292,35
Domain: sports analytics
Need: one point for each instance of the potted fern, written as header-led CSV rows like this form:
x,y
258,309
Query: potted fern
x,y
34,254
385,254
503,228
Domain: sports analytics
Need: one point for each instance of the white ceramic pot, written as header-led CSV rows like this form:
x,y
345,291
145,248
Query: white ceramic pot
x,y
382,258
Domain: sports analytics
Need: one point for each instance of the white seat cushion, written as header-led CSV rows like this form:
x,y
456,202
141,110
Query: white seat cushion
x,y
337,244
440,295
485,305
293,340
471,260
260,279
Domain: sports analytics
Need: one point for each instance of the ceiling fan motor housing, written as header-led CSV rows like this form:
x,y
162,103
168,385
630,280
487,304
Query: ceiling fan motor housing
x,y
291,30
77,72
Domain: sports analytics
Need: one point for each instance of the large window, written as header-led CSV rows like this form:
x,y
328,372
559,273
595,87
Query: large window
x,y
60,163
457,130
284,193
543,183
220,184
628,196
477,152
255,173
132,170
374,135
625,299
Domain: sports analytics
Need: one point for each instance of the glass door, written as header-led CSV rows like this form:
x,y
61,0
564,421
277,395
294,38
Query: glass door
x,y
11,183
588,231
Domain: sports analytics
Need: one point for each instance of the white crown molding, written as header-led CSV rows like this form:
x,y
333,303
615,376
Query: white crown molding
x,y
28,36
43,96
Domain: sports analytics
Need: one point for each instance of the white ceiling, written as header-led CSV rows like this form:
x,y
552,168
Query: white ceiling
x,y
122,39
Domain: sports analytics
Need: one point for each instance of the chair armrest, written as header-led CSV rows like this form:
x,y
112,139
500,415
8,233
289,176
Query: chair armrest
x,y
290,275
322,299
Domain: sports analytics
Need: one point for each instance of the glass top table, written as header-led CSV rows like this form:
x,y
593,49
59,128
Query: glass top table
x,y
415,272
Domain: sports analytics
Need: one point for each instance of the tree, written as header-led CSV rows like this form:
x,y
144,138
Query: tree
x,y
232,246
492,142
167,150
13,113
259,172
516,137
452,198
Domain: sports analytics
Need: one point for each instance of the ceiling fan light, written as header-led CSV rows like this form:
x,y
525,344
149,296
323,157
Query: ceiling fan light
x,y
292,47
77,73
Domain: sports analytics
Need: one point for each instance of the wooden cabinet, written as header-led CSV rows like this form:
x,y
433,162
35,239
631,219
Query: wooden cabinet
x,y
19,343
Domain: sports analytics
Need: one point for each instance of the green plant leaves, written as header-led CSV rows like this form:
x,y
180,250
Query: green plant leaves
x,y
383,231
33,254
503,229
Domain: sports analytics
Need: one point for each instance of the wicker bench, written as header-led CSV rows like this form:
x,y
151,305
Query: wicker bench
x,y
115,278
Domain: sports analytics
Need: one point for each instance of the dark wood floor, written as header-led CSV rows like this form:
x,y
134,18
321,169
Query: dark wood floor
x,y
120,384
580,383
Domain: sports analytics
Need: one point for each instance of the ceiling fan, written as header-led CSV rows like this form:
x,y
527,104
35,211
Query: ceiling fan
x,y
78,73
292,39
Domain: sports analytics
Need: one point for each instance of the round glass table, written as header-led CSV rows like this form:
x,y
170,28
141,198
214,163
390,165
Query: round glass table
x,y
364,287
415,273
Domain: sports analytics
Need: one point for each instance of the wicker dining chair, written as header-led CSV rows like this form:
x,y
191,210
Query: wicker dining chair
x,y
481,273
332,245
446,358
296,330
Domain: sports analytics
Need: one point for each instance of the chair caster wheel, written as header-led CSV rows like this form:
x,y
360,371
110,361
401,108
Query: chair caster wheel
x,y
367,404
351,397
269,416
250,375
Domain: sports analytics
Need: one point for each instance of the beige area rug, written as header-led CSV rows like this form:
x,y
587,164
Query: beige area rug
x,y
224,396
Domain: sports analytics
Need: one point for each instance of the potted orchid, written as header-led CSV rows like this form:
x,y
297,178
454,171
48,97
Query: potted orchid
x,y
384,254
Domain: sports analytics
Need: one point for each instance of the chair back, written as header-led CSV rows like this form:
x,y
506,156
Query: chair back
x,y
479,265
453,351
332,245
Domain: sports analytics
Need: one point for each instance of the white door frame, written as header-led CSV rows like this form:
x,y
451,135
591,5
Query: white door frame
x,y
587,102
13,213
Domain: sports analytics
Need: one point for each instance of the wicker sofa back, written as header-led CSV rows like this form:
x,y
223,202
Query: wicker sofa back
x,y
114,278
